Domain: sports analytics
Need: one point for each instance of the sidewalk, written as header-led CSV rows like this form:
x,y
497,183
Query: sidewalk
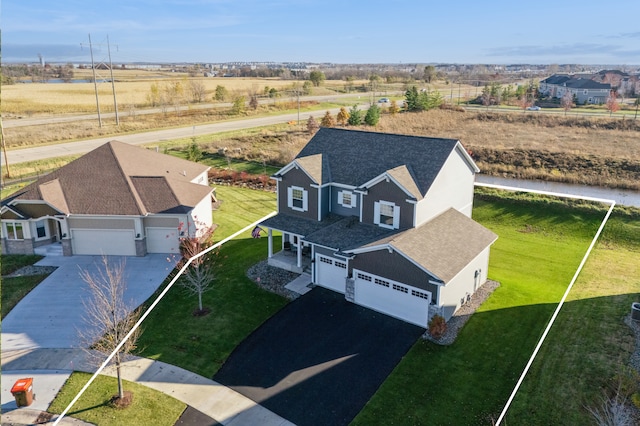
x,y
51,367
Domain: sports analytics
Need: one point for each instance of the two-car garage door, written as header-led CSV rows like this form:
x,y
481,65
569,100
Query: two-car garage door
x,y
399,300
103,241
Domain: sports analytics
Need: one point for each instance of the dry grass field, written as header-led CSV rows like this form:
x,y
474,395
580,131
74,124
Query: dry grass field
x,y
132,90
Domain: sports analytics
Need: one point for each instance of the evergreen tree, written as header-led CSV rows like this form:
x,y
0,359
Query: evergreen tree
x,y
355,116
373,115
328,120
312,125
343,116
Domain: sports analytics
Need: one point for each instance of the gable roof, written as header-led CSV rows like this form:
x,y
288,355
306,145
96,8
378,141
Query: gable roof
x,y
353,158
118,179
443,246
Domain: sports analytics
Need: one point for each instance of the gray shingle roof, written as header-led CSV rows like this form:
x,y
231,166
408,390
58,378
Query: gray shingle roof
x,y
101,182
356,157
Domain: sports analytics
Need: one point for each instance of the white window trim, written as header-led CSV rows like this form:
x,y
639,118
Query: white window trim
x,y
46,230
349,205
396,214
13,230
305,199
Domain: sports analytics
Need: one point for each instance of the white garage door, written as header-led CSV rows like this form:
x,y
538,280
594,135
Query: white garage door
x,y
398,300
331,273
163,240
102,241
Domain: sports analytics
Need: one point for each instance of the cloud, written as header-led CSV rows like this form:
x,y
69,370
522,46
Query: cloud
x,y
576,49
50,52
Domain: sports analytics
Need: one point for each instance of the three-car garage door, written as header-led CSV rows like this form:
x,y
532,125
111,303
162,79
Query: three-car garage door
x,y
399,300
331,273
102,241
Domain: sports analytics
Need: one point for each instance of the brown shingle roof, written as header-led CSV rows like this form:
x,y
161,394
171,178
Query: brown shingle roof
x,y
102,182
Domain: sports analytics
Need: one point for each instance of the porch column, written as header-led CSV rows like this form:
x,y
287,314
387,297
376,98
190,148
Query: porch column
x,y
270,239
299,252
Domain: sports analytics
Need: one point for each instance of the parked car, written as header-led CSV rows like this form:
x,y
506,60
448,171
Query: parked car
x,y
534,108
383,101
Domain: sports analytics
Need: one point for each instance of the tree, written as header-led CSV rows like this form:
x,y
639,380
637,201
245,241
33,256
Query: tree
x,y
198,90
373,115
238,105
423,100
108,318
253,101
312,125
355,116
307,87
194,153
393,108
221,93
566,101
198,277
328,120
612,103
343,116
429,73
153,97
317,77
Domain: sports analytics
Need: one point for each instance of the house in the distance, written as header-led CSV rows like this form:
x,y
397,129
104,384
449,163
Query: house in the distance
x,y
115,200
384,219
584,90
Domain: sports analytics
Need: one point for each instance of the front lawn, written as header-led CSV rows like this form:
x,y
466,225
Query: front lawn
x,y
238,306
538,250
149,407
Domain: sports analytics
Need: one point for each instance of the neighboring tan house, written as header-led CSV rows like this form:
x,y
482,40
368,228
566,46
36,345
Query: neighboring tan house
x,y
384,219
115,200
584,90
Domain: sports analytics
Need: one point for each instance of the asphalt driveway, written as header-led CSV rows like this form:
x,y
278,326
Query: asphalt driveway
x,y
319,360
51,314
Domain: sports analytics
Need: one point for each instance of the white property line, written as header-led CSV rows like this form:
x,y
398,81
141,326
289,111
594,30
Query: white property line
x,y
612,204
148,311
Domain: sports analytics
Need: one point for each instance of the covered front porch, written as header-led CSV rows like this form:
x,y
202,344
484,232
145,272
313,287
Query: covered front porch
x,y
293,256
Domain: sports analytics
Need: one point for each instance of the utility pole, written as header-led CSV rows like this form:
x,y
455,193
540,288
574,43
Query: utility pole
x,y
2,141
113,86
95,81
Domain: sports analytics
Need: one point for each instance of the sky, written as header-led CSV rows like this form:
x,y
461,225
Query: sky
x,y
346,31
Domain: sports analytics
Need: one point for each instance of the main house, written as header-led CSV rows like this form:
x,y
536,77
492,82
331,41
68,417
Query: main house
x,y
116,200
384,219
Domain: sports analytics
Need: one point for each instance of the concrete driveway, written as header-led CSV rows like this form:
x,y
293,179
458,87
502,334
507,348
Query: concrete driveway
x,y
52,313
319,360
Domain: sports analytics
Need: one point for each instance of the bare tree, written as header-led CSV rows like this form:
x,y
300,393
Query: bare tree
x,y
612,103
566,101
108,317
198,278
198,90
312,125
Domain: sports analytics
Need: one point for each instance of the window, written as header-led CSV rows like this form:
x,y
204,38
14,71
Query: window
x,y
297,198
386,214
14,231
41,230
346,199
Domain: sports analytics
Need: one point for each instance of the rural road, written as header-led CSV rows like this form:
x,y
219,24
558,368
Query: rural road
x,y
80,147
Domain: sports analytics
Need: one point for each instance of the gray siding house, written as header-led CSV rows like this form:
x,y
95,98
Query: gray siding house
x,y
384,219
585,90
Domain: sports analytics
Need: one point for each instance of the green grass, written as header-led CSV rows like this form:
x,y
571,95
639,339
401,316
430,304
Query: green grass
x,y
238,306
534,259
149,407
13,262
14,289
589,343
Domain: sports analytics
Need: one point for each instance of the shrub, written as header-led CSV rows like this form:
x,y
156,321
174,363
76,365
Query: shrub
x,y
373,115
355,116
437,326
